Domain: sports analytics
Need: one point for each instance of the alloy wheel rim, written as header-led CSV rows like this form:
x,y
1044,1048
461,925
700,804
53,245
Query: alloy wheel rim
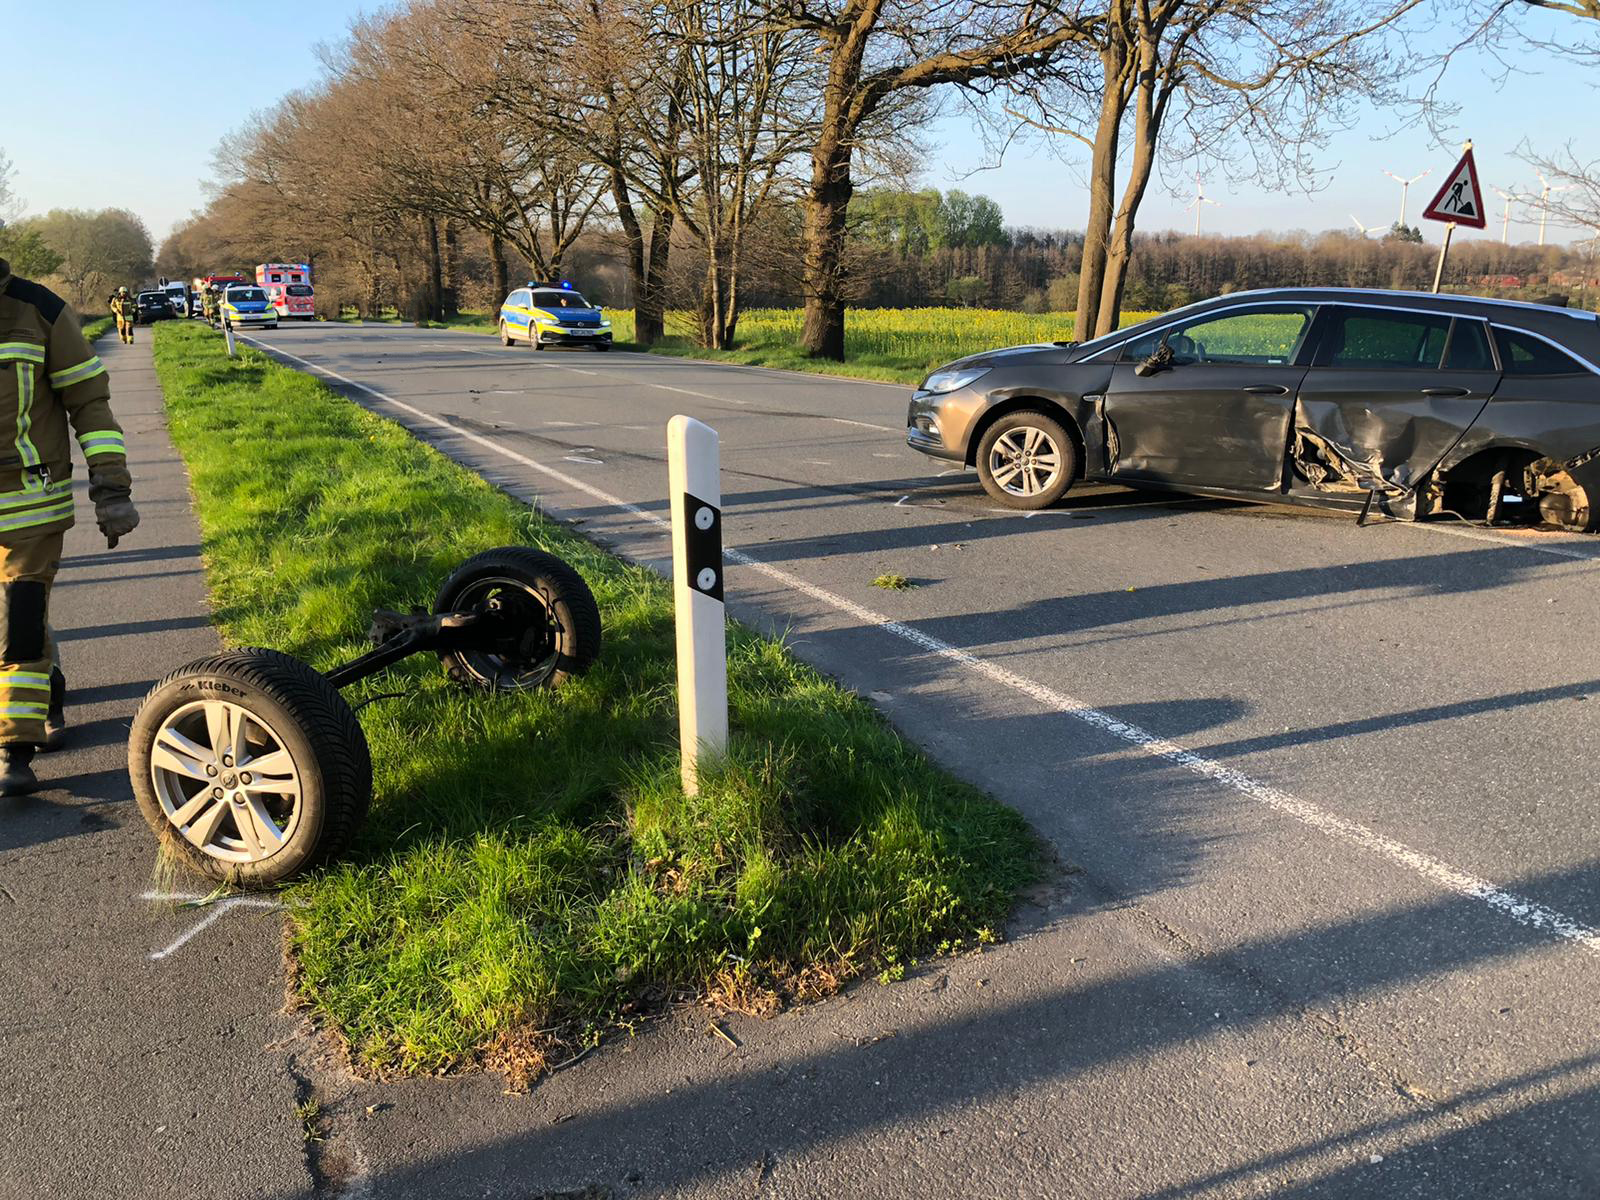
x,y
226,781
1025,461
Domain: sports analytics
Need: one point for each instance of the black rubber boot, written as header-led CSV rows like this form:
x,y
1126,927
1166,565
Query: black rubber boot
x,y
18,778
55,721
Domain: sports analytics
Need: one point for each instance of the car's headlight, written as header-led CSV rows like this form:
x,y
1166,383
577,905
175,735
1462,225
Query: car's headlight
x,y
605,324
950,381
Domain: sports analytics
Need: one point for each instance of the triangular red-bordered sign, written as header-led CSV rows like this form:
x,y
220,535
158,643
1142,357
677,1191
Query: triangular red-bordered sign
x,y
1460,199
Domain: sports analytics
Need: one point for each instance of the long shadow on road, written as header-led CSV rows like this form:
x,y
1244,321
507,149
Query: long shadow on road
x,y
1491,1136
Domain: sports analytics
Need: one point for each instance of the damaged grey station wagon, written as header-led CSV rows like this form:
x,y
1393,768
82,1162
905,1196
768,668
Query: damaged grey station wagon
x,y
1407,404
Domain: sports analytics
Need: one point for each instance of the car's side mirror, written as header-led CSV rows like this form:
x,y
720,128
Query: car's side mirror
x,y
1161,359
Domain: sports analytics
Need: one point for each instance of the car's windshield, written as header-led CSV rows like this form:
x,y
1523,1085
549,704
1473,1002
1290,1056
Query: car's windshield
x,y
561,299
238,294
299,289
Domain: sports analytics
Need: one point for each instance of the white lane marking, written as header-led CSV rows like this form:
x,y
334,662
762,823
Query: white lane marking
x,y
686,392
582,458
864,424
1560,550
1518,908
219,909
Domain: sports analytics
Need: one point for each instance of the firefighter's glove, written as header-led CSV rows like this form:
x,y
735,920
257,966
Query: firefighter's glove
x,y
113,505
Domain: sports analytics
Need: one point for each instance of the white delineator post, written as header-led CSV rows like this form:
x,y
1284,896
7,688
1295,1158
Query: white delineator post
x,y
227,332
694,472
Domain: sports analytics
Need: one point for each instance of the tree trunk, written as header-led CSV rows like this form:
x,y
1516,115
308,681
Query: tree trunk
x,y
826,206
502,273
650,302
1102,188
1148,114
435,273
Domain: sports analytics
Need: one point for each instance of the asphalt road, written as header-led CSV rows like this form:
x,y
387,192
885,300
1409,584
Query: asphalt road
x,y
1323,795
144,1051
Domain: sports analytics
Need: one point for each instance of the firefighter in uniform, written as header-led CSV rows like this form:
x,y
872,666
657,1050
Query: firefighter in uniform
x,y
208,304
49,377
125,308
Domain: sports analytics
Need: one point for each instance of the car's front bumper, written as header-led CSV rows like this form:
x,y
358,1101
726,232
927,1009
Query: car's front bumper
x,y
550,335
267,318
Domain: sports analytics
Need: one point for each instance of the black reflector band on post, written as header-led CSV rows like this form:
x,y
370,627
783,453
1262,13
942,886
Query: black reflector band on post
x,y
703,523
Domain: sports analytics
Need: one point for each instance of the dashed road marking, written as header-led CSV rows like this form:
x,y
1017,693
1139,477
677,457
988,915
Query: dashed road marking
x,y
1518,909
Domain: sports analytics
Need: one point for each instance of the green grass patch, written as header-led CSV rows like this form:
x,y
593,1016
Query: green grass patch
x,y
93,327
531,861
894,345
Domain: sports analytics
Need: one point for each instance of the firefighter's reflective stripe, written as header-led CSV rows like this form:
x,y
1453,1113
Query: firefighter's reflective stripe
x,y
67,376
52,493
15,697
25,446
61,511
25,351
23,511
102,441
37,680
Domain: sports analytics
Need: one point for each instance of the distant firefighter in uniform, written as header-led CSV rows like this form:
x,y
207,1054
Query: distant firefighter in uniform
x,y
124,308
49,377
208,304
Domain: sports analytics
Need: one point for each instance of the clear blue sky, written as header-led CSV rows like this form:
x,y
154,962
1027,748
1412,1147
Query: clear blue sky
x,y
122,103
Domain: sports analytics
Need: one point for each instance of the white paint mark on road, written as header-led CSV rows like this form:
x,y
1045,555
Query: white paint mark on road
x,y
875,454
816,462
863,424
218,910
1559,549
1517,908
583,458
662,387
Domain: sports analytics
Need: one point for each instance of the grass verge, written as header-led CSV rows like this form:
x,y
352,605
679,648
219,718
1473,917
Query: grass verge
x,y
93,327
531,863
893,345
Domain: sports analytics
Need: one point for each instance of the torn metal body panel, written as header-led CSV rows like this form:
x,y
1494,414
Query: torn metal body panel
x,y
1410,405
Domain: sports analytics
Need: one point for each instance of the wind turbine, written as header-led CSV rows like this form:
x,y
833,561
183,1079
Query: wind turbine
x,y
1544,196
1366,230
1505,217
1405,188
1199,202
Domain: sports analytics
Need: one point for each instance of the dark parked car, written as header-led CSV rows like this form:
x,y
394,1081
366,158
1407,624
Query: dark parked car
x,y
1404,403
153,306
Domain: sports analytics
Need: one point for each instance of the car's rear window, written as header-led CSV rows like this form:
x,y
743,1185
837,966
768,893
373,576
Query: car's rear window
x,y
299,289
1523,354
1362,338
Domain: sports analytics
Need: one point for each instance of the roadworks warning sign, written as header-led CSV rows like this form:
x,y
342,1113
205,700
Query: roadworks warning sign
x,y
1460,199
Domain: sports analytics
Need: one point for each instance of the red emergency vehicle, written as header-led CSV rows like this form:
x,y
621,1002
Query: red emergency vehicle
x,y
288,288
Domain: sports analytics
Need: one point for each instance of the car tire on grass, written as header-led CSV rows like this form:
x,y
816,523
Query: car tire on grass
x,y
1027,460
199,732
554,614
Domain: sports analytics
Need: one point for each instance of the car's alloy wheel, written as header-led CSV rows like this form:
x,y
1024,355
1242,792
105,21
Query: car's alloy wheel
x,y
505,334
250,766
1026,460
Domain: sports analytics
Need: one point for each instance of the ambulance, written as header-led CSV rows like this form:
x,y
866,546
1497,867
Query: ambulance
x,y
288,287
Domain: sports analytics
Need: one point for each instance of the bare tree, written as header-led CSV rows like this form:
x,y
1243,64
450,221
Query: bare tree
x,y
1252,84
876,52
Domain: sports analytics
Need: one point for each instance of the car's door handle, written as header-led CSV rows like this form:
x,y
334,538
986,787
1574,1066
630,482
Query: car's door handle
x,y
1267,389
1447,391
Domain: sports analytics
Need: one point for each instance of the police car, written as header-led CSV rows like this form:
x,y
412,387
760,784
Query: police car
x,y
552,314
247,305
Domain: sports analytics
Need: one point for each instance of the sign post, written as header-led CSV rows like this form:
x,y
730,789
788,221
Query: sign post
x,y
695,483
1459,201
